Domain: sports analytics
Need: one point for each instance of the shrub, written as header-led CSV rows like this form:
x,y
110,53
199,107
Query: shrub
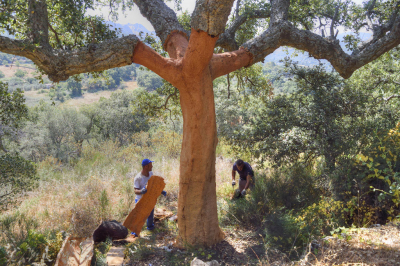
x,y
17,176
20,74
2,75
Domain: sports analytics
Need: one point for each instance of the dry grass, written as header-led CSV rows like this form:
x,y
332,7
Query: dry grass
x,y
68,198
379,246
89,98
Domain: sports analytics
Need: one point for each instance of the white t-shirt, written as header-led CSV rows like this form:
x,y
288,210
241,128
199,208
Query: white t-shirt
x,y
140,182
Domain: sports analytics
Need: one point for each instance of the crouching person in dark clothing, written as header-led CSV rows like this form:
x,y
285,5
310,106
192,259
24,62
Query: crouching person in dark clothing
x,y
246,177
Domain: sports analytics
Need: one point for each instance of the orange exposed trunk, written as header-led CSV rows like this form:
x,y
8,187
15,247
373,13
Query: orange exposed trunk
x,y
197,204
191,68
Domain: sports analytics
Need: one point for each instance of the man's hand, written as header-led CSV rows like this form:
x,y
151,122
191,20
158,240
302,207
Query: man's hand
x,y
243,192
233,183
164,193
143,190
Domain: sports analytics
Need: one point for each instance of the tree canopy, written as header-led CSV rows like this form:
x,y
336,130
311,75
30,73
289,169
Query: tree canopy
x,y
63,40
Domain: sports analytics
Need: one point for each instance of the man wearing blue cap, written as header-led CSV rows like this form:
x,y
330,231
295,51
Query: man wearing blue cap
x,y
140,183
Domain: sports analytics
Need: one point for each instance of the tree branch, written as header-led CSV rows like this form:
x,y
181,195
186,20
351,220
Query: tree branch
x,y
285,34
391,97
211,16
279,11
378,31
166,68
227,39
199,52
38,21
161,17
222,64
61,64
56,34
332,28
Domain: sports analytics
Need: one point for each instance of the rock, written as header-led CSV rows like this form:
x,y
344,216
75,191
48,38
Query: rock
x,y
174,218
197,262
111,229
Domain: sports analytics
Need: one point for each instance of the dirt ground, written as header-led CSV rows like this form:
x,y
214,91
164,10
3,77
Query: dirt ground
x,y
366,246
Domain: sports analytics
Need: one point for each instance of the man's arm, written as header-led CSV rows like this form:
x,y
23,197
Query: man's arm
x,y
248,178
233,175
140,191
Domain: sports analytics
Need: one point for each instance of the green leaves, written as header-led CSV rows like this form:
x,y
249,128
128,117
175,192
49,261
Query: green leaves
x,y
12,106
17,176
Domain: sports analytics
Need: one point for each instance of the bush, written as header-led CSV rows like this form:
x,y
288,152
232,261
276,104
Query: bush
x,y
17,176
285,189
20,74
25,245
2,75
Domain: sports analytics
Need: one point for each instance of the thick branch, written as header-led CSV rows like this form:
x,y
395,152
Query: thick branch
x,y
211,15
225,63
166,68
38,22
199,52
279,10
162,18
59,65
285,34
227,39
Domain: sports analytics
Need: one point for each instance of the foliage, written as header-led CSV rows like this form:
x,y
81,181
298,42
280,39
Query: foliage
x,y
12,106
2,74
75,87
149,80
17,176
25,244
380,160
324,117
20,74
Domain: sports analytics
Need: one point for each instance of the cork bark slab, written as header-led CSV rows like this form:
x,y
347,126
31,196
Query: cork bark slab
x,y
143,208
75,252
115,256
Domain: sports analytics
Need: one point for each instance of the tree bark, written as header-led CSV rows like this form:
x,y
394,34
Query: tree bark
x,y
197,203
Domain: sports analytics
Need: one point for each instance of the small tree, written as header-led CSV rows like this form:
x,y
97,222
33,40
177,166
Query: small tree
x,y
16,174
75,87
19,73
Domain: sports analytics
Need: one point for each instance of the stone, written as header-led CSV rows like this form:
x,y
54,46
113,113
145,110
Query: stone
x,y
197,262
115,257
111,229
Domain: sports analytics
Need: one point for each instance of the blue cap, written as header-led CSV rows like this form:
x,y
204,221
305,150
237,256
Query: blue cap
x,y
146,162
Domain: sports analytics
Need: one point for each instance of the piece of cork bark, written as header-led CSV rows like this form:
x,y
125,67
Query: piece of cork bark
x,y
75,252
143,208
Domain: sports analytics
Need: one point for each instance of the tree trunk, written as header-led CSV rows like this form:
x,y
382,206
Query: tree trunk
x,y
197,204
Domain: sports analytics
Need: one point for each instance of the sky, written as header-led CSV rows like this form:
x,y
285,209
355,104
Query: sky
x,y
133,16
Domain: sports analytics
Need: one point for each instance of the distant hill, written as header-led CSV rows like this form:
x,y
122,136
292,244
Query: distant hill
x,y
130,28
